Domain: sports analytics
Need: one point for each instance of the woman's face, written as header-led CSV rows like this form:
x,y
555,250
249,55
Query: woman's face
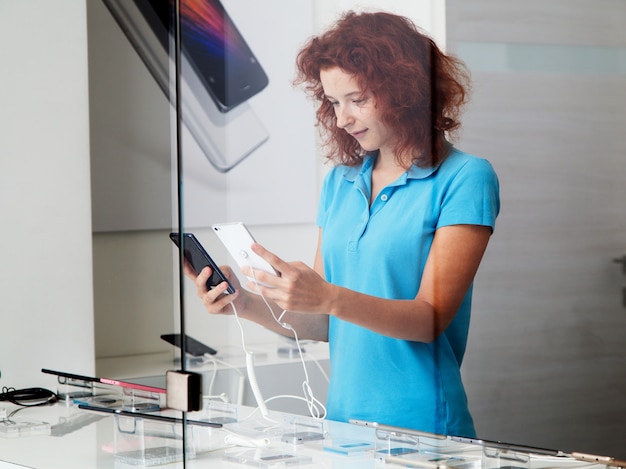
x,y
356,111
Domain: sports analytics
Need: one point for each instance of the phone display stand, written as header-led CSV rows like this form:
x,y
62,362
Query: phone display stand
x,y
218,412
73,420
392,443
349,447
69,389
298,430
434,461
19,427
208,439
267,458
112,401
412,448
142,442
497,457
137,400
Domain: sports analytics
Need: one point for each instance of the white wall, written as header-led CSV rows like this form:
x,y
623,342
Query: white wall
x,y
46,309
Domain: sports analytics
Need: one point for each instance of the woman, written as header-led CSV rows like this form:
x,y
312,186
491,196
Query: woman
x,y
404,219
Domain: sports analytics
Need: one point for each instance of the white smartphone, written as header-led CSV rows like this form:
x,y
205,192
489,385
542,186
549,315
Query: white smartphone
x,y
227,133
238,241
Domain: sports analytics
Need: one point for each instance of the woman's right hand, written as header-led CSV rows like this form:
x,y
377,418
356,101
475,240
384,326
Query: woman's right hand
x,y
214,300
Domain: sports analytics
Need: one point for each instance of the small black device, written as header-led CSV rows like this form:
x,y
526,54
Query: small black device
x,y
194,347
198,259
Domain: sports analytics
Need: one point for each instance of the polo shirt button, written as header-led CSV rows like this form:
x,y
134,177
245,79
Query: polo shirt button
x,y
384,197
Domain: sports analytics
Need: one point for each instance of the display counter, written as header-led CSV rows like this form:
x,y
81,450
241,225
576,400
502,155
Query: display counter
x,y
66,436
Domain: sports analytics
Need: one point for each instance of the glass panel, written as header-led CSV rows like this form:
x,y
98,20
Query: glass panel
x,y
247,155
133,210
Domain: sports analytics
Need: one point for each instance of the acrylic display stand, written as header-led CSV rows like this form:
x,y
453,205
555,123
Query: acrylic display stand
x,y
143,442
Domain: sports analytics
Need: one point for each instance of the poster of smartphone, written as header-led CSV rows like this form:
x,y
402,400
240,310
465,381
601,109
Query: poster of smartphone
x,y
219,53
231,154
219,72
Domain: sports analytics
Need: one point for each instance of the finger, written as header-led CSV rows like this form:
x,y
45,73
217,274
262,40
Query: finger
x,y
228,272
256,276
254,286
276,262
215,300
217,294
268,293
202,279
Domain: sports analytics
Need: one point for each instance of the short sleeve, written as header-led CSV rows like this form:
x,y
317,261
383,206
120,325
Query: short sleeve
x,y
472,196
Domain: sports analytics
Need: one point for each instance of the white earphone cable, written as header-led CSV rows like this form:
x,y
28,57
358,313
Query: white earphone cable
x,y
316,408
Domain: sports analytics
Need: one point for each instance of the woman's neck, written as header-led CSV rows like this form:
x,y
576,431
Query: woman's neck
x,y
385,171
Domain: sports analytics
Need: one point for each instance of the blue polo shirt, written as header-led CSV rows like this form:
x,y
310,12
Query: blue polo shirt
x,y
381,250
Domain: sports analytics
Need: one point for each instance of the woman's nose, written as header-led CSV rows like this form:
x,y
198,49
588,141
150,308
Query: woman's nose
x,y
344,118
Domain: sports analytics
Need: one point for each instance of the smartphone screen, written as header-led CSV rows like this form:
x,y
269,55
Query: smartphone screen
x,y
216,50
198,259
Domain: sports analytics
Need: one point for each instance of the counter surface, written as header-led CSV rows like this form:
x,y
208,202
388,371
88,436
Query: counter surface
x,y
79,438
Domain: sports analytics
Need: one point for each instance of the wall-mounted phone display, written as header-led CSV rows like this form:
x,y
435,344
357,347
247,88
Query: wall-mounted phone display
x,y
215,48
219,72
219,53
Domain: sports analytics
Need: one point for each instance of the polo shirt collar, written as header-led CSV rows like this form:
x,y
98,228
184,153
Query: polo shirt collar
x,y
351,173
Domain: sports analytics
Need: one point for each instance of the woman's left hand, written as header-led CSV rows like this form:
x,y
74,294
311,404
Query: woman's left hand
x,y
297,288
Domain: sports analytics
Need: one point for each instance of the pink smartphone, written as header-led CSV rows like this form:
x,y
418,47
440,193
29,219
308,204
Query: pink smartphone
x,y
62,377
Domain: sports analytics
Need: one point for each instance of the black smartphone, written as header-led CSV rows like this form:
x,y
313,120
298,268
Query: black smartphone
x,y
215,48
198,259
194,347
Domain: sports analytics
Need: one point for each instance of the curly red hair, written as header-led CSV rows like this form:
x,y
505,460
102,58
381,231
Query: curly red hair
x,y
419,90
